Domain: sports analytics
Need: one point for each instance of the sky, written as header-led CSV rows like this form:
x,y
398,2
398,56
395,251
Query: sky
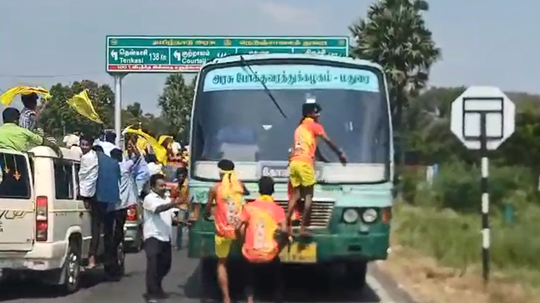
x,y
483,42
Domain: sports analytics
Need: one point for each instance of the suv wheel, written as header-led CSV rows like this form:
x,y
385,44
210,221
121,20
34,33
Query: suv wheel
x,y
72,269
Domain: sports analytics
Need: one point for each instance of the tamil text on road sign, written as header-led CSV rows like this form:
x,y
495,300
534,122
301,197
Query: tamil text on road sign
x,y
499,112
140,54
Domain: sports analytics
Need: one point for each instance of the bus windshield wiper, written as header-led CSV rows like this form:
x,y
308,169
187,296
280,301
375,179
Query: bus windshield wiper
x,y
266,90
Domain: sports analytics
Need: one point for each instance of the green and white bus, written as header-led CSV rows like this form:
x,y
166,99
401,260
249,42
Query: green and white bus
x,y
246,109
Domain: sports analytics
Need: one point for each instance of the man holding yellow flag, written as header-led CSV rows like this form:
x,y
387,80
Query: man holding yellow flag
x,y
29,98
30,111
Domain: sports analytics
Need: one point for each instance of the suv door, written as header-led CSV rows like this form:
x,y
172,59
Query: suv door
x,y
17,202
86,220
66,212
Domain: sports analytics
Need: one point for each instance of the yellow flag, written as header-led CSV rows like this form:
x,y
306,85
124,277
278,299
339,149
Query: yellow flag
x,y
142,145
7,97
160,151
82,104
163,138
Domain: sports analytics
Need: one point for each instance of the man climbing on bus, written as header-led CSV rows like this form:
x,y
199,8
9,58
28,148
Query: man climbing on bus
x,y
228,195
301,161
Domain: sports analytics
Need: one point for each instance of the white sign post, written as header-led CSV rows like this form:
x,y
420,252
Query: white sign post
x,y
483,118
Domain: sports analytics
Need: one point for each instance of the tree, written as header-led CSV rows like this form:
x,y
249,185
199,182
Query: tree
x,y
176,103
394,35
58,118
134,115
429,135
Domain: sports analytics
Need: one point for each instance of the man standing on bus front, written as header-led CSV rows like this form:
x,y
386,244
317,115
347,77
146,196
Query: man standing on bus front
x,y
302,162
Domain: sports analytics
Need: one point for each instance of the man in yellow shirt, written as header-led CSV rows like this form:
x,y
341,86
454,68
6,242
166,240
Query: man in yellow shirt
x,y
14,137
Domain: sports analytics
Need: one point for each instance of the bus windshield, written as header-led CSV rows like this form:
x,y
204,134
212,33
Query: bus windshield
x,y
234,117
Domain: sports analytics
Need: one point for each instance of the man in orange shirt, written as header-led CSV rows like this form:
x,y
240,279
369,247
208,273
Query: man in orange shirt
x,y
228,195
301,161
259,222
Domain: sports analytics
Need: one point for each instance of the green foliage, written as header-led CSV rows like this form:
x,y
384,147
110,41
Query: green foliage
x,y
428,131
58,118
457,186
394,34
134,115
176,103
444,219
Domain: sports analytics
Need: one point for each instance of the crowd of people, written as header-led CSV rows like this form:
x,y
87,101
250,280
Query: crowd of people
x,y
255,224
112,178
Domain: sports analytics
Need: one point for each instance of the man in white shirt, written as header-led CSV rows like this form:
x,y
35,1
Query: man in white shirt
x,y
154,167
88,174
157,232
108,144
72,141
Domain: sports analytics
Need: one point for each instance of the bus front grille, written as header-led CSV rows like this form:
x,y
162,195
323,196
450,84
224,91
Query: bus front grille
x,y
320,212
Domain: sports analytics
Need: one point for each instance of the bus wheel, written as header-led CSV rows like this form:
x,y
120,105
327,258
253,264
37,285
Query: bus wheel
x,y
356,273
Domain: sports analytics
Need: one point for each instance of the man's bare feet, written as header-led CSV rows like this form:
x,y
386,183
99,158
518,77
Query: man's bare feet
x,y
304,232
226,300
91,262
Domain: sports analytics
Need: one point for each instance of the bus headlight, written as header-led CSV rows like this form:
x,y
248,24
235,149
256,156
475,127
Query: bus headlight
x,y
369,215
350,216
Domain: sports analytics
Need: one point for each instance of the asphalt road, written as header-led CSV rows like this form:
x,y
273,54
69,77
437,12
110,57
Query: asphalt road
x,y
183,285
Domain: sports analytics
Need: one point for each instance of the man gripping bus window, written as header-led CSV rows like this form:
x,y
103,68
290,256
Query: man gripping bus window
x,y
301,161
228,196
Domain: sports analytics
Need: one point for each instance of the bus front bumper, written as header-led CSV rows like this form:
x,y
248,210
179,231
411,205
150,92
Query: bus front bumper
x,y
329,247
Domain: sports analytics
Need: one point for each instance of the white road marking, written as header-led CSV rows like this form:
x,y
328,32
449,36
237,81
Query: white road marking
x,y
378,288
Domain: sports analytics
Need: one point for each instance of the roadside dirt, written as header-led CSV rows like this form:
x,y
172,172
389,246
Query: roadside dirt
x,y
427,282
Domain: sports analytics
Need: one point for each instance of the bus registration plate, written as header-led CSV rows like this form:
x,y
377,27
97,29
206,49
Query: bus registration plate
x,y
299,253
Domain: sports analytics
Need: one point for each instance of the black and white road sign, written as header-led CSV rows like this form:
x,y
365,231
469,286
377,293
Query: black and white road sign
x,y
496,108
483,118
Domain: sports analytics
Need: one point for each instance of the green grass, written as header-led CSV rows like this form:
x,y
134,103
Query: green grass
x,y
443,220
454,239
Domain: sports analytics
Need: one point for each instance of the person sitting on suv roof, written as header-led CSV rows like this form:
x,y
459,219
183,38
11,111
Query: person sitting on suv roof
x,y
14,137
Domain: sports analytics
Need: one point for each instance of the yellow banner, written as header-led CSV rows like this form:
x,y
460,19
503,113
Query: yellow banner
x,y
7,97
82,104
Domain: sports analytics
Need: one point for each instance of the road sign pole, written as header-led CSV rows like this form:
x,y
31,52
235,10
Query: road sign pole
x,y
118,106
471,113
484,187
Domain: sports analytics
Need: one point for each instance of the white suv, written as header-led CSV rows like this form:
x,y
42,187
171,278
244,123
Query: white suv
x,y
45,229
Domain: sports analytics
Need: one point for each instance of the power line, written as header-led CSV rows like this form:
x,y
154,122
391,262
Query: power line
x,y
48,75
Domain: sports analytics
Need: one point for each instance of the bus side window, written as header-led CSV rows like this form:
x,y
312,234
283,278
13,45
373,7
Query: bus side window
x,y
14,177
63,180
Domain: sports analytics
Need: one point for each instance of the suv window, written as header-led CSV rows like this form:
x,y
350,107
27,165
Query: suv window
x,y
14,177
63,179
77,167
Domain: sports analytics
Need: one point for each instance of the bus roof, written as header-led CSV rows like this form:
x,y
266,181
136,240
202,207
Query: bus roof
x,y
236,58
